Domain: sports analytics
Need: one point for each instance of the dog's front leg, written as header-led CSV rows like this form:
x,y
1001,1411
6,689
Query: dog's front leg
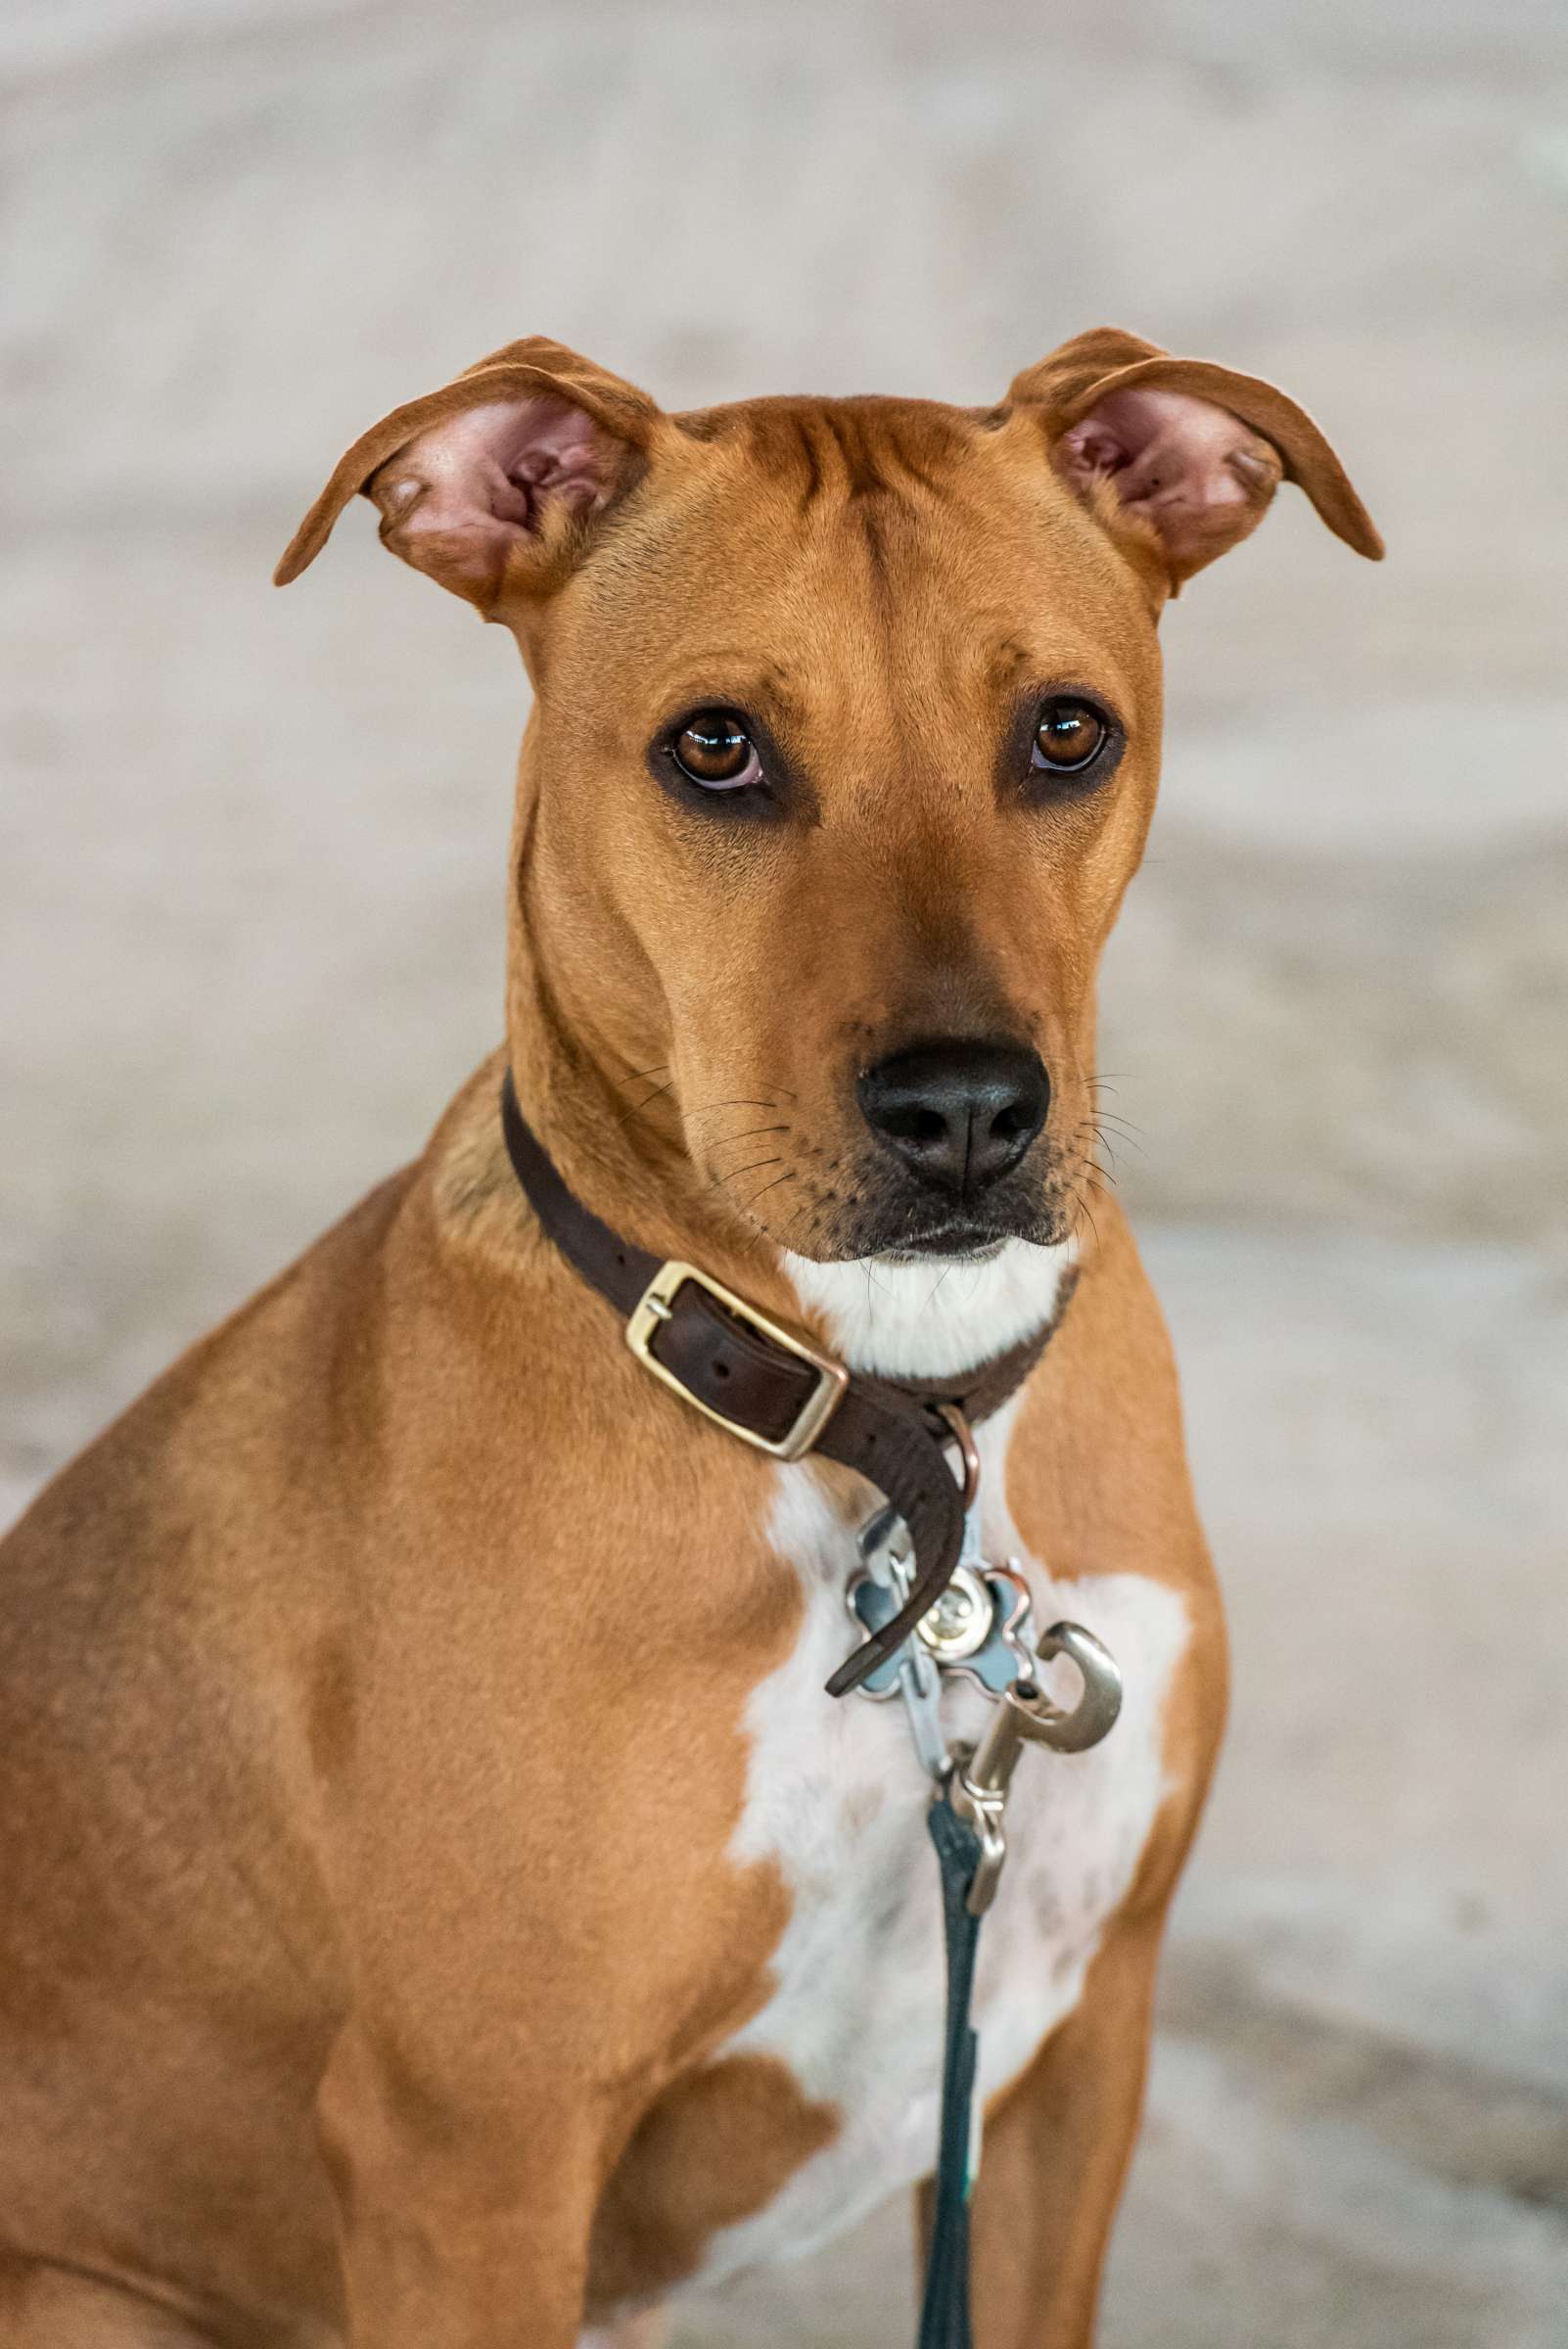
x,y
1054,2156
463,2219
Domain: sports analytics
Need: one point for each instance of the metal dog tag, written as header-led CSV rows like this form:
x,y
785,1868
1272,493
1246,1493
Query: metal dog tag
x,y
979,1626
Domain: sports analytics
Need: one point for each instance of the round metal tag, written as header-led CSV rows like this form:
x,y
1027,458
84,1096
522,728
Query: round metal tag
x,y
960,1622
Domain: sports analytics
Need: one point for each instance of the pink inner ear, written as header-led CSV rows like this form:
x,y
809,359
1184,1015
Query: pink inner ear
x,y
1199,475
462,494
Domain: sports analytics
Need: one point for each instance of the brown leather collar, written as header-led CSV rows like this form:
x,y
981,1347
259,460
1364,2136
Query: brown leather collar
x,y
774,1389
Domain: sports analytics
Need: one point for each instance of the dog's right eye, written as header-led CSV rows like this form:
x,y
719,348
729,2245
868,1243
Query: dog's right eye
x,y
714,749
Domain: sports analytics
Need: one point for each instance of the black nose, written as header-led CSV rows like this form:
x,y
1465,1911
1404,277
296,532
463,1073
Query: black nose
x,y
961,1113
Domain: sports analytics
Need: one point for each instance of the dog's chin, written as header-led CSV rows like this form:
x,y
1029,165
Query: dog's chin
x,y
954,1244
946,1239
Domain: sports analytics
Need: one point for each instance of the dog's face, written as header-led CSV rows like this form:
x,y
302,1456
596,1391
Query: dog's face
x,y
844,750
858,734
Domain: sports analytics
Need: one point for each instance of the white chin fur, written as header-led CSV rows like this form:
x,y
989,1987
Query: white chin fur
x,y
921,1320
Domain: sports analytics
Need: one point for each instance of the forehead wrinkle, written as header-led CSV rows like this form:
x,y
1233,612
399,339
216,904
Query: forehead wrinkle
x,y
831,450
730,674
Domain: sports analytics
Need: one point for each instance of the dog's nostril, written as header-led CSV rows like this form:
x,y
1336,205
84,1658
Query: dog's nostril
x,y
914,1124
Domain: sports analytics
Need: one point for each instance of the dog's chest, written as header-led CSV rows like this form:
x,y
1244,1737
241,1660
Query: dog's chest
x,y
836,1802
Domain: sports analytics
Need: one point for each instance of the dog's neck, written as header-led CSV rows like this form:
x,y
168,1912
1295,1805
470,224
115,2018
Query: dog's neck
x,y
606,1107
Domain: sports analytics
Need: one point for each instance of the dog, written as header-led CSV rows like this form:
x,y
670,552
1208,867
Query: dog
x,y
444,1906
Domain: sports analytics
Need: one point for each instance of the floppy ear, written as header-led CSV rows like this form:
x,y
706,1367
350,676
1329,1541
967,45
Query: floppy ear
x,y
490,483
1180,457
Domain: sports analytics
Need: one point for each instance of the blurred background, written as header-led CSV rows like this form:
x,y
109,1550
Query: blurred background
x,y
252,874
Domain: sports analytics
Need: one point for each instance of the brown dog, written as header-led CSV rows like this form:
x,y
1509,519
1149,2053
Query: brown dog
x,y
442,1909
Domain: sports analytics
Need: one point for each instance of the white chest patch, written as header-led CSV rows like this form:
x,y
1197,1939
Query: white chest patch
x,y
837,1801
909,1320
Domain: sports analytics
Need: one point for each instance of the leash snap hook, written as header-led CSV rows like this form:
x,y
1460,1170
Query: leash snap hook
x,y
1025,1714
983,1809
1094,1715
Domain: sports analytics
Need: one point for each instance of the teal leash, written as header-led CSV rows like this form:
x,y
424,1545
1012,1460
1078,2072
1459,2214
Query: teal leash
x,y
979,1627
945,2320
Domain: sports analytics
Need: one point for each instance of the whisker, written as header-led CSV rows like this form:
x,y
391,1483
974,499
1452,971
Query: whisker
x,y
749,1136
708,1109
935,1285
646,1103
764,1231
702,1109
750,1203
1101,1140
724,1182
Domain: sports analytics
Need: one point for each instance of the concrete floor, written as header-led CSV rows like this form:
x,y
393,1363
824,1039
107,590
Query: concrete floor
x,y
251,870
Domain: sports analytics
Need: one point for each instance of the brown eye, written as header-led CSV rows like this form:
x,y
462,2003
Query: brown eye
x,y
712,748
1069,735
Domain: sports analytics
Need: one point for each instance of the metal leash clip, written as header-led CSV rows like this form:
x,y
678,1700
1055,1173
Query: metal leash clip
x,y
1025,1714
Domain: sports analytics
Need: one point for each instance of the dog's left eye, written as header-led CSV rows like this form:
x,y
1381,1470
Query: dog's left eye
x,y
1069,736
714,749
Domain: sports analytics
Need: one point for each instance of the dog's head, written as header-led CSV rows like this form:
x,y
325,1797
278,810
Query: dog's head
x,y
845,744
